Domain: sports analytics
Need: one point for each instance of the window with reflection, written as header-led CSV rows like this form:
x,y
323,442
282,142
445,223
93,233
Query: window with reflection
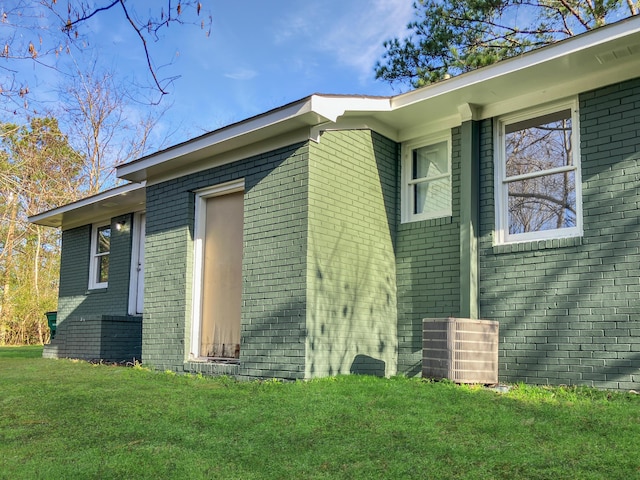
x,y
538,190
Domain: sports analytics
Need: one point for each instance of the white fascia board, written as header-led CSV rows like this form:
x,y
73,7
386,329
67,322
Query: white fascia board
x,y
110,203
357,108
558,92
224,158
311,111
527,60
198,147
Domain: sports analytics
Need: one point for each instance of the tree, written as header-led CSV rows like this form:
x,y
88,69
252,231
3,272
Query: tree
x,y
36,30
41,167
38,170
450,37
103,127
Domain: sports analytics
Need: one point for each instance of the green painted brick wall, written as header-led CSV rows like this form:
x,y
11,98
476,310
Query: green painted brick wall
x,y
93,324
97,337
569,310
428,271
351,292
274,266
74,298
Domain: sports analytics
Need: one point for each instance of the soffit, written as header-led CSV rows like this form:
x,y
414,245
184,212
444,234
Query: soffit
x,y
103,206
598,58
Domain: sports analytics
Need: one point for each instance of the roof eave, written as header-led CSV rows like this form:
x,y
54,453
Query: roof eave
x,y
306,113
572,45
111,203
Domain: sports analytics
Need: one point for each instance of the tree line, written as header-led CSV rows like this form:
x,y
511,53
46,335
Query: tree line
x,y
42,167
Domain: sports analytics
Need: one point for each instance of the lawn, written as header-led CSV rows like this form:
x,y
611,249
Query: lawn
x,y
70,419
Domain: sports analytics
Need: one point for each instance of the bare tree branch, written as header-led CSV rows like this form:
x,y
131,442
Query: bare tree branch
x,y
71,24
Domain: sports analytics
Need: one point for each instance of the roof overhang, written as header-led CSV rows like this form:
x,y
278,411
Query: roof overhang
x,y
594,59
301,115
117,201
599,57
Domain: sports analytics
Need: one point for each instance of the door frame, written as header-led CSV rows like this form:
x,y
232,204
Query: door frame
x,y
202,196
137,244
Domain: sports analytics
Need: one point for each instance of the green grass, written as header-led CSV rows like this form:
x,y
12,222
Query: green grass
x,y
69,419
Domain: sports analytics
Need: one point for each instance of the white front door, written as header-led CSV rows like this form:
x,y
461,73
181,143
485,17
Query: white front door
x,y
140,267
136,290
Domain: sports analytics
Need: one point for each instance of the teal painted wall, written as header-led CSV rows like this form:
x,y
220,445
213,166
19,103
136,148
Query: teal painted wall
x,y
274,266
569,310
428,271
93,324
74,297
351,273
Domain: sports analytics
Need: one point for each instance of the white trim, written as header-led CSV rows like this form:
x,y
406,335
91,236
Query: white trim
x,y
333,107
439,125
501,181
202,196
137,237
307,112
355,123
468,112
193,147
406,194
527,176
93,255
584,41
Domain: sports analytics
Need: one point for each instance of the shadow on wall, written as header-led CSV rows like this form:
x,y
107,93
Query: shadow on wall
x,y
351,277
273,341
352,312
366,365
570,319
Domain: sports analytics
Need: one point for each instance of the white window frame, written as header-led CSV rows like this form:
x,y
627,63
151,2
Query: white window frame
x,y
502,235
93,261
407,191
202,196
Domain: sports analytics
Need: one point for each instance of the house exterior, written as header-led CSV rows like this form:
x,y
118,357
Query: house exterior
x,y
313,240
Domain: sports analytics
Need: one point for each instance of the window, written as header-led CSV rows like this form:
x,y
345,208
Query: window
x,y
538,194
100,247
426,182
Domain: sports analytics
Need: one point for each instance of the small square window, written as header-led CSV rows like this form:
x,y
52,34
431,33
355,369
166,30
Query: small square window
x,y
426,179
538,175
100,249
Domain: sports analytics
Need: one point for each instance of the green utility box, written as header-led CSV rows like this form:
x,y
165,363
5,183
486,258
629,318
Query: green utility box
x,y
52,318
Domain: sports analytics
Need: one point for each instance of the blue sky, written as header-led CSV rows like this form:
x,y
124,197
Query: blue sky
x,y
260,55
